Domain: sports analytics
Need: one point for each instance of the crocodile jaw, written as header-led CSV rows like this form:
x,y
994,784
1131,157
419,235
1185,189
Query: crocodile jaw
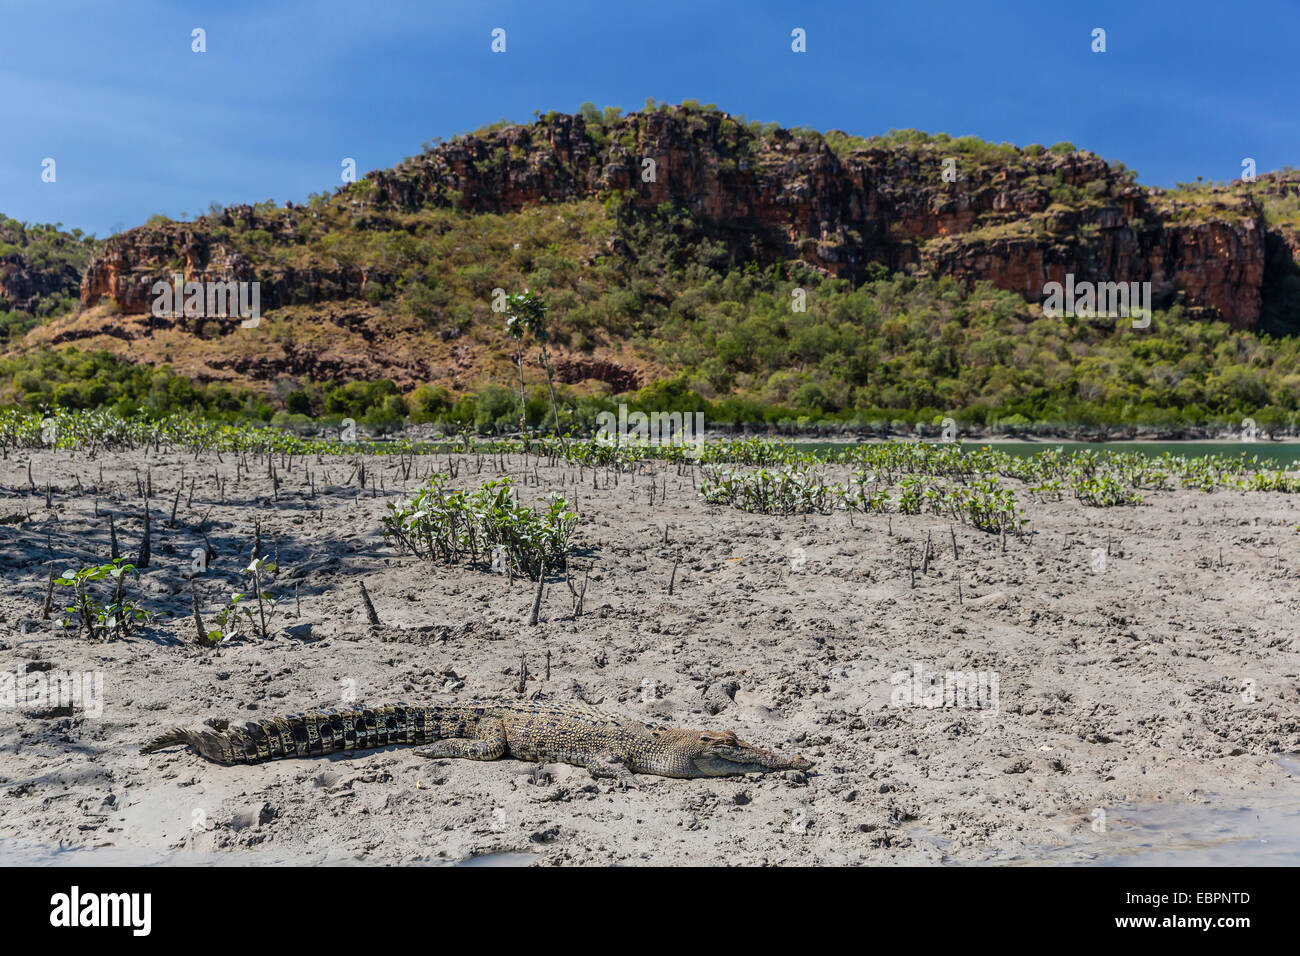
x,y
761,761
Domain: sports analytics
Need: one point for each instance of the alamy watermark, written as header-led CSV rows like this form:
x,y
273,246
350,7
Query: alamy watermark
x,y
655,428
974,690
208,300
42,690
127,910
1109,300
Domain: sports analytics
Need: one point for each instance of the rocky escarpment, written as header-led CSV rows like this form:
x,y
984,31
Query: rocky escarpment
x,y
1018,220
40,266
132,262
1015,218
23,285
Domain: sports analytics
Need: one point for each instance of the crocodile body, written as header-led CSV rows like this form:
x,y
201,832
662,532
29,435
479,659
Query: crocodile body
x,y
605,744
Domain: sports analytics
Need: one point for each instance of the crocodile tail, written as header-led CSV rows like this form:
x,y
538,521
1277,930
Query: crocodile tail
x,y
310,735
210,744
172,738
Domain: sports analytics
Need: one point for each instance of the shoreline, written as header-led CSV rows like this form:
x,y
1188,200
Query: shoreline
x,y
1050,442
931,434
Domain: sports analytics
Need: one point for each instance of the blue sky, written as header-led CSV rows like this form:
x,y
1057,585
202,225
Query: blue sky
x,y
139,124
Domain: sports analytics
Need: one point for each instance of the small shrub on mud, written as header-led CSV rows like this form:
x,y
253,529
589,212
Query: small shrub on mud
x,y
485,526
780,491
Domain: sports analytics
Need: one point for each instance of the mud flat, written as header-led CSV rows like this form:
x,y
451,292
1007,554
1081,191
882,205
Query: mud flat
x,y
1163,671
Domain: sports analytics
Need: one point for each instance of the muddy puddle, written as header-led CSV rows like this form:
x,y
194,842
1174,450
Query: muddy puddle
x,y
1238,830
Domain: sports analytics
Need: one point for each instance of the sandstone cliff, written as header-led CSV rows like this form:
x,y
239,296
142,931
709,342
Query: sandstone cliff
x,y
40,266
1018,218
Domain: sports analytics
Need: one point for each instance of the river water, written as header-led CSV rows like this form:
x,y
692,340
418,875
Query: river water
x,y
1285,454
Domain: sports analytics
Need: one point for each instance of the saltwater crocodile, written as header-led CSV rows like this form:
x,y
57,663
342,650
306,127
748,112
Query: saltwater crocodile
x,y
605,744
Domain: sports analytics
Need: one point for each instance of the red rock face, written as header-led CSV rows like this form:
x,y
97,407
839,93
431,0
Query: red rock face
x,y
780,198
133,261
581,369
22,285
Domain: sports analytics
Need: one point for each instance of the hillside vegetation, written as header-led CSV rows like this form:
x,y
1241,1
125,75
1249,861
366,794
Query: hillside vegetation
x,y
40,271
383,310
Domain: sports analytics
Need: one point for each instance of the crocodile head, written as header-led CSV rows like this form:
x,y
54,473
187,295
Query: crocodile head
x,y
723,754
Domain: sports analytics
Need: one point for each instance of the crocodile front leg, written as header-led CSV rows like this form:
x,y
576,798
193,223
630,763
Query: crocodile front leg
x,y
488,743
611,767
